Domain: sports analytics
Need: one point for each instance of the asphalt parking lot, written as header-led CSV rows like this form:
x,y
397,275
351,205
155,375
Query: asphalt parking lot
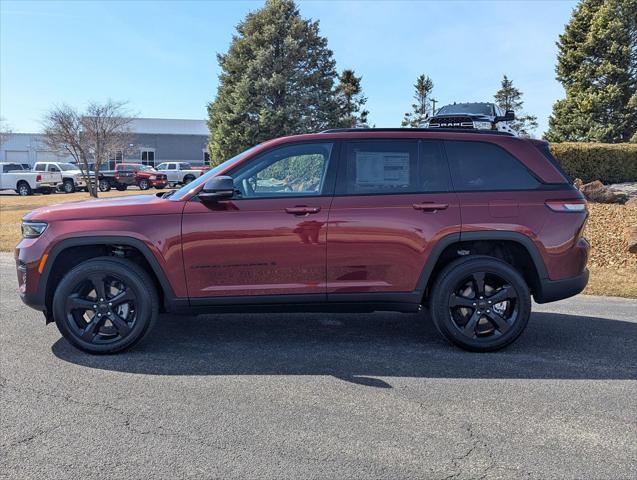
x,y
322,396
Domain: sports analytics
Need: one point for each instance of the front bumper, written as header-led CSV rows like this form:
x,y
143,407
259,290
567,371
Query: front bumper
x,y
552,290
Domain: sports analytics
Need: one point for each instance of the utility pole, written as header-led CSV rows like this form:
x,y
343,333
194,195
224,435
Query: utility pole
x,y
433,111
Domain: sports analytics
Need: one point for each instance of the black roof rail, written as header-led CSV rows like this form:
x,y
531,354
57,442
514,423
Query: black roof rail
x,y
445,130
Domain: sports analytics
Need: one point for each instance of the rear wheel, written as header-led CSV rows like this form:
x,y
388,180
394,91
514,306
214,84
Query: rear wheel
x,y
23,189
144,184
480,303
188,179
105,305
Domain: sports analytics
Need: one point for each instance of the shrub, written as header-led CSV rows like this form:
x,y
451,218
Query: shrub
x,y
610,163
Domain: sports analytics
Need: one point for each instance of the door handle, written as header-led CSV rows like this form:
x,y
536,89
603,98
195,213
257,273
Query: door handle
x,y
430,206
302,210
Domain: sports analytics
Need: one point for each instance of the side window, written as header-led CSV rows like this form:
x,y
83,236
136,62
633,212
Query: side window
x,y
162,166
478,166
53,168
296,170
40,167
379,166
171,166
434,173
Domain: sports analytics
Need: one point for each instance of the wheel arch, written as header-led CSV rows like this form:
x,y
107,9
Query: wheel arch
x,y
72,251
514,248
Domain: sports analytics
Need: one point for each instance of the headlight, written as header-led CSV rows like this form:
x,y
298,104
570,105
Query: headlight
x,y
482,125
33,229
152,177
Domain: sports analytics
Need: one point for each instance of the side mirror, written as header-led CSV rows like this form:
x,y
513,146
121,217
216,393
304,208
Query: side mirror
x,y
509,115
217,188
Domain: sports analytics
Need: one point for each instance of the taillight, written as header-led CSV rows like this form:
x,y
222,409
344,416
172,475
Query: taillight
x,y
38,178
574,206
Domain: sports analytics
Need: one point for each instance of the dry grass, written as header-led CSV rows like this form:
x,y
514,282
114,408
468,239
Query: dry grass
x,y
613,269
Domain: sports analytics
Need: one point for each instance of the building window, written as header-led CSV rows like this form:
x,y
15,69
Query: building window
x,y
148,157
206,158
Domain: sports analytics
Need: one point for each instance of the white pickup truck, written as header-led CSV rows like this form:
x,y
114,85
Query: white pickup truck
x,y
179,172
26,182
70,175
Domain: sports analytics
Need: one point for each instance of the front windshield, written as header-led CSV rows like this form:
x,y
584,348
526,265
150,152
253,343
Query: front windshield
x,y
179,194
474,108
145,168
67,166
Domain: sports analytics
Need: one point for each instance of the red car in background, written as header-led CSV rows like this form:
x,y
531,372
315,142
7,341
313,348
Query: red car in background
x,y
145,175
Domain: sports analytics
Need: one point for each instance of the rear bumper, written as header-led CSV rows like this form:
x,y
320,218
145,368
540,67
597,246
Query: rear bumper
x,y
552,290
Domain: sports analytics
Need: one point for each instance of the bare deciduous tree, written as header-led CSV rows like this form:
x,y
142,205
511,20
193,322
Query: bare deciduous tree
x,y
5,131
93,137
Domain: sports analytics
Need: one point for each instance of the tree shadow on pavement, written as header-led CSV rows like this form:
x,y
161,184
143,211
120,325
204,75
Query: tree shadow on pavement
x,y
360,347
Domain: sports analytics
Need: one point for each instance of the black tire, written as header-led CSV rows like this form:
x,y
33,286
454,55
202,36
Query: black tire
x,y
121,188
104,185
463,301
46,191
68,186
23,189
144,184
99,326
188,179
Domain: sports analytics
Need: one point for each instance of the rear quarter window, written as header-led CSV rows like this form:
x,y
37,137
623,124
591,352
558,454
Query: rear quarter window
x,y
482,166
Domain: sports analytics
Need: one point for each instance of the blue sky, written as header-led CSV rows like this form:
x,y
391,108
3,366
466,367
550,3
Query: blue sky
x,y
160,55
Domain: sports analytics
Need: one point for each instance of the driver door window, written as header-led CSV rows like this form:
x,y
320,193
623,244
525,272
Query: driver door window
x,y
294,171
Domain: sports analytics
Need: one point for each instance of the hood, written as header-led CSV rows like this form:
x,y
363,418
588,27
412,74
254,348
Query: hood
x,y
472,116
126,206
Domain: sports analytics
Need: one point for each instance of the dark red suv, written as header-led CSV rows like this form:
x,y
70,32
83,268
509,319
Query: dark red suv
x,y
469,225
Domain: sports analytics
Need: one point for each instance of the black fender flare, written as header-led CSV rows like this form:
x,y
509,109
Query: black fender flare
x,y
62,245
452,238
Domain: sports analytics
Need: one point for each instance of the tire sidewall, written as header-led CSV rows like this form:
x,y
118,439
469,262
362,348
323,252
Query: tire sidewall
x,y
24,190
66,187
146,307
144,185
104,186
448,280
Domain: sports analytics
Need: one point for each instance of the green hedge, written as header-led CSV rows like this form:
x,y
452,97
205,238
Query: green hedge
x,y
610,163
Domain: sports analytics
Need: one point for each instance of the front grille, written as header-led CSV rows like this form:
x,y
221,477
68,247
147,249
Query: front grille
x,y
451,122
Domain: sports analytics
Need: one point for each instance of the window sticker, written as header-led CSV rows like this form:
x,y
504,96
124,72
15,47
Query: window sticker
x,y
382,168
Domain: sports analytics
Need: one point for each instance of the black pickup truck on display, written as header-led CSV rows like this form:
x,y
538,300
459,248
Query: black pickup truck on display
x,y
472,116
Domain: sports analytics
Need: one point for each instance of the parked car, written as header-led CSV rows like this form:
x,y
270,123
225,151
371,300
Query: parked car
x,y
146,176
180,173
70,175
120,178
468,225
26,182
472,116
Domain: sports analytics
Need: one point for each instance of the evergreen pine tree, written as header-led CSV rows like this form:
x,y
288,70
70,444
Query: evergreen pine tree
x,y
510,98
277,79
597,65
351,101
421,109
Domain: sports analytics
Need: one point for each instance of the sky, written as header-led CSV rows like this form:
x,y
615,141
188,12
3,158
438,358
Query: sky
x,y
160,56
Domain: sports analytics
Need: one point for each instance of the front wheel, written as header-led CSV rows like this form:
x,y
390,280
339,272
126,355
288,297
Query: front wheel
x,y
144,184
104,185
68,186
480,303
105,305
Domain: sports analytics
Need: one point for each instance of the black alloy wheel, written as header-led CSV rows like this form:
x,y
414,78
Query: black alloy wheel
x,y
480,303
105,305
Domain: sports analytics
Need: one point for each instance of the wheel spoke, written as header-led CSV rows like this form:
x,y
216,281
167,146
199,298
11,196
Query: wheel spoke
x,y
99,284
122,297
75,302
500,323
505,293
460,301
470,328
478,280
89,332
120,324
